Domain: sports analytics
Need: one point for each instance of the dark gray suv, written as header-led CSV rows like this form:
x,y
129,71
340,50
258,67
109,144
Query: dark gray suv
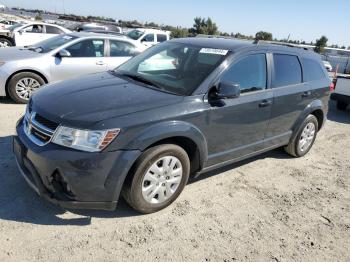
x,y
180,108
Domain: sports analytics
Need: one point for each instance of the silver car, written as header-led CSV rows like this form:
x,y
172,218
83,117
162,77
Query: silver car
x,y
25,69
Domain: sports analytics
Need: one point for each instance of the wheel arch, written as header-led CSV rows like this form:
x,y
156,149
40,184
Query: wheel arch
x,y
25,71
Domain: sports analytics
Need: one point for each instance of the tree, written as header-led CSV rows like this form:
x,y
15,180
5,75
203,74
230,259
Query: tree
x,y
179,32
204,26
38,17
262,35
321,44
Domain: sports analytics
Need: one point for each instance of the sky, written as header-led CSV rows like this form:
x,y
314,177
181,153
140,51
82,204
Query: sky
x,y
303,19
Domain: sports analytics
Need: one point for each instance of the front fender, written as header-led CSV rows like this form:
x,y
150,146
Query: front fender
x,y
169,129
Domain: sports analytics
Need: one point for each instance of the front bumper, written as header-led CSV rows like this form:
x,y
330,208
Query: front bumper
x,y
86,180
3,78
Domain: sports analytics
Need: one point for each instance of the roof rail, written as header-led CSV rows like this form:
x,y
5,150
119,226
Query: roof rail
x,y
257,42
216,36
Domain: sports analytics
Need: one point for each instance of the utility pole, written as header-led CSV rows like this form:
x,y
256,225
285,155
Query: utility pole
x,y
64,7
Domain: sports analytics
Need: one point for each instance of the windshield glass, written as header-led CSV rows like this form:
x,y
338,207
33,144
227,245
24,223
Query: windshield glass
x,y
135,34
13,27
174,67
52,43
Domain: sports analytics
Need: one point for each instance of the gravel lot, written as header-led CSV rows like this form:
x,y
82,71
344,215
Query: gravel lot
x,y
269,208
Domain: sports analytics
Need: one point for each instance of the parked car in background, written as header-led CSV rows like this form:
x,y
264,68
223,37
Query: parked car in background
x,y
25,70
94,26
142,131
328,66
149,37
341,92
4,24
29,34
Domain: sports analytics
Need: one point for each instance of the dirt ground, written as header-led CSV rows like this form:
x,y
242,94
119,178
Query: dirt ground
x,y
269,208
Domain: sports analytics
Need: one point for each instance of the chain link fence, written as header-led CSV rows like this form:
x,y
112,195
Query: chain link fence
x,y
343,62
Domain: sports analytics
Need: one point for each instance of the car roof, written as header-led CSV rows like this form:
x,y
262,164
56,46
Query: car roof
x,y
235,45
93,34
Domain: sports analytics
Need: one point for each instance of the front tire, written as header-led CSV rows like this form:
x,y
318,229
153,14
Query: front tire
x,y
160,175
22,85
341,105
5,43
304,139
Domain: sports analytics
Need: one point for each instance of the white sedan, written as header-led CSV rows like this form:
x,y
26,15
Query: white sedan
x,y
29,34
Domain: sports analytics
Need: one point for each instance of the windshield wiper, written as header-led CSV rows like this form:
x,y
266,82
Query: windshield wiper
x,y
140,79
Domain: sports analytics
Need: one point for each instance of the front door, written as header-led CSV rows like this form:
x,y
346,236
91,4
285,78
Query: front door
x,y
30,35
87,56
237,126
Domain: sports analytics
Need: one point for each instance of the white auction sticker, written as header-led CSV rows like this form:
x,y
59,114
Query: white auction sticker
x,y
213,51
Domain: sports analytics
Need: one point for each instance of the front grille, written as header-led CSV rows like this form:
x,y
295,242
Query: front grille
x,y
39,129
45,122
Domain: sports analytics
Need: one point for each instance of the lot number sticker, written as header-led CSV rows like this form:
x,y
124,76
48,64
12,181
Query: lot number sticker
x,y
213,51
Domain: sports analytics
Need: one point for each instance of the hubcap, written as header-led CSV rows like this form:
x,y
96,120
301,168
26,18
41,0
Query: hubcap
x,y
307,136
162,179
26,87
4,44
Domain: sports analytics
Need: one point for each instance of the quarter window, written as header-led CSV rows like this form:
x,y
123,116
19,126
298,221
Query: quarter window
x,y
287,70
312,70
121,49
250,73
87,48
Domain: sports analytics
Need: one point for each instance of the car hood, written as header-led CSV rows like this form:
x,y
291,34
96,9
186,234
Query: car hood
x,y
17,53
85,101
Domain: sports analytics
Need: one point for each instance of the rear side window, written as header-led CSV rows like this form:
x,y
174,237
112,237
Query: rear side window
x,y
312,70
53,30
121,49
287,70
249,73
161,38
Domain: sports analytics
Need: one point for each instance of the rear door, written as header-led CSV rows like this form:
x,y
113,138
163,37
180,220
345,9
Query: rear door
x,y
290,96
87,56
119,52
51,31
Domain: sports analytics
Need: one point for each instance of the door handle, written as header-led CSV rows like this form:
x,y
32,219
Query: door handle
x,y
100,63
265,103
306,94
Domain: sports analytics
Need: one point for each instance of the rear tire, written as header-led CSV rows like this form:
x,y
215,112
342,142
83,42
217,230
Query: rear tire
x,y
22,85
160,175
304,139
341,105
5,43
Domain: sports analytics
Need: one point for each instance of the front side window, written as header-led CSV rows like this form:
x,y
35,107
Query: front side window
x,y
52,43
174,67
287,70
148,38
250,73
121,49
53,30
161,38
312,70
33,29
87,48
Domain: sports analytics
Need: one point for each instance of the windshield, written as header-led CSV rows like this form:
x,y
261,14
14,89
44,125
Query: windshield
x,y
52,43
135,34
13,27
173,67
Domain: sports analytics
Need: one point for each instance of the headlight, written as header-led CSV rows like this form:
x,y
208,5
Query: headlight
x,y
85,140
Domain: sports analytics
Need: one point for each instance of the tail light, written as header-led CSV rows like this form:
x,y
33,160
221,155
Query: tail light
x,y
332,87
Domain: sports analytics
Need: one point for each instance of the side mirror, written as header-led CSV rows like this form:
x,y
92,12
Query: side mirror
x,y
227,90
63,53
21,31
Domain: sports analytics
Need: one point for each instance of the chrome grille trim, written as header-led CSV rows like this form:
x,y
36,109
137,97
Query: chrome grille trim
x,y
29,123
